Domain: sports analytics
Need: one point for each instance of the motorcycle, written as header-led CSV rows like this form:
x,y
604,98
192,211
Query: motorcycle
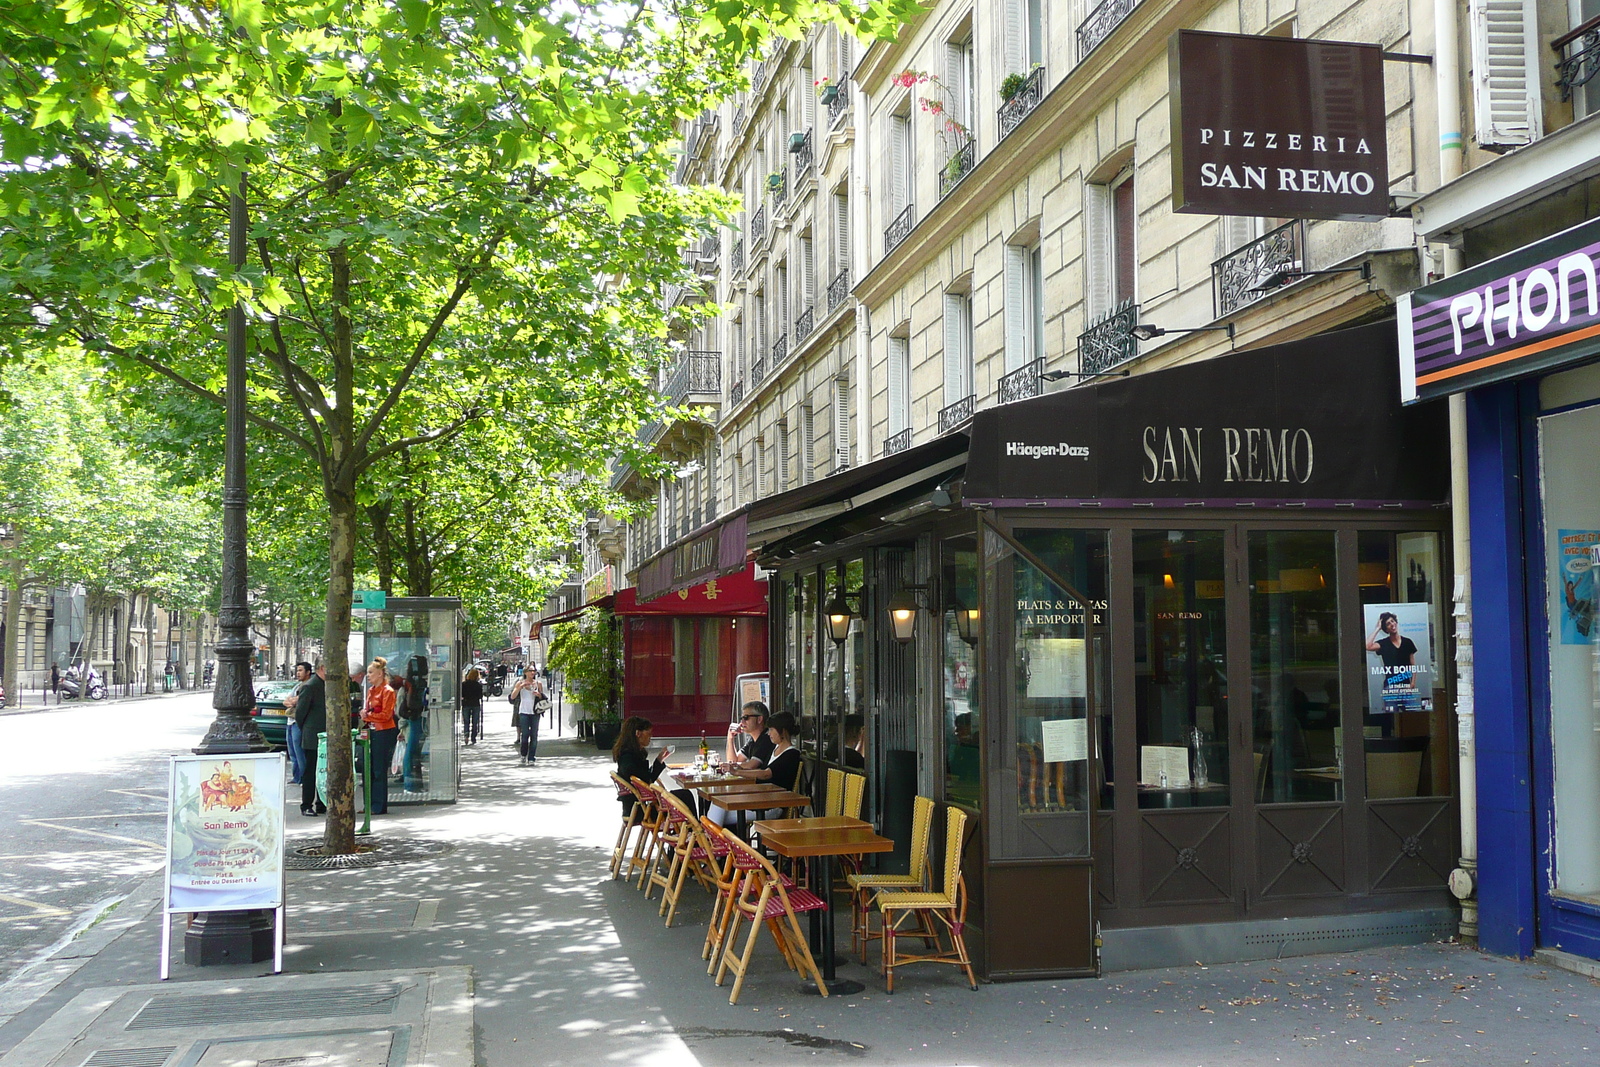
x,y
72,685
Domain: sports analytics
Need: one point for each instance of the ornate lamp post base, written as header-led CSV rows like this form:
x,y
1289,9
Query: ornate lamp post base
x,y
221,937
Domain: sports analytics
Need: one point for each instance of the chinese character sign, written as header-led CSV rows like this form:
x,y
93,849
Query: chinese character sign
x,y
225,832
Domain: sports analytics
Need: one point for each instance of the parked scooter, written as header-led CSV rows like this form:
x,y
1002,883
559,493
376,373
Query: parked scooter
x,y
72,685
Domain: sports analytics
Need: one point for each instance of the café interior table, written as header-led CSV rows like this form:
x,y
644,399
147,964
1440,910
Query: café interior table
x,y
813,839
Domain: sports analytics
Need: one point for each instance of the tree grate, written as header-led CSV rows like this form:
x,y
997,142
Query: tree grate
x,y
130,1057
377,852
190,1010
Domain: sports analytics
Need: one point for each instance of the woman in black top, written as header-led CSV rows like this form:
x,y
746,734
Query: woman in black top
x,y
632,753
783,768
472,707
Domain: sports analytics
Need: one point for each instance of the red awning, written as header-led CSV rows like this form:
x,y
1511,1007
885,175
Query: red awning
x,y
733,594
572,613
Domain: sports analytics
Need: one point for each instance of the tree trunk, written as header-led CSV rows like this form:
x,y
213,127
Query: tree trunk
x,y
13,621
339,838
272,640
382,546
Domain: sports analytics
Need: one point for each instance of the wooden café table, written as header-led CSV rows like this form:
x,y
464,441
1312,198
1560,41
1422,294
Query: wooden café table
x,y
751,796
820,840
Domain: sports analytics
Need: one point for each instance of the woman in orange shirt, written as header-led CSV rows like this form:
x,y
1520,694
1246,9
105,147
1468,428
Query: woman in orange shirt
x,y
382,731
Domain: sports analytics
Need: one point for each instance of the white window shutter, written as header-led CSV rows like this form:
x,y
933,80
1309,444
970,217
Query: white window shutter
x,y
1016,55
955,348
899,165
841,233
1097,250
808,443
1018,350
1505,71
899,387
955,82
808,99
841,423
808,278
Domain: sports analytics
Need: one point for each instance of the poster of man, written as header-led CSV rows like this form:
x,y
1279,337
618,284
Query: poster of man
x,y
1400,670
1575,575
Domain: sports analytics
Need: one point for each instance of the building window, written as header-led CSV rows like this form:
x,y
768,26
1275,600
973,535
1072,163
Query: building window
x,y
808,444
762,487
1110,225
957,347
1024,35
899,162
841,423
841,234
1506,69
959,81
899,381
1024,305
785,452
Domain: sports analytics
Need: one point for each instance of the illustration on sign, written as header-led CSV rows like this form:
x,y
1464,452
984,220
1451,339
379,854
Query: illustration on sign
x,y
225,832
1400,674
1575,578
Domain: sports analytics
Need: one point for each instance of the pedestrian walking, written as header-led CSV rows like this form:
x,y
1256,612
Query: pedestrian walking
x,y
528,697
382,732
472,707
311,715
55,681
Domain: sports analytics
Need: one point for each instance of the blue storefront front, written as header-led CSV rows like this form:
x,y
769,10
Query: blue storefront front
x,y
1518,335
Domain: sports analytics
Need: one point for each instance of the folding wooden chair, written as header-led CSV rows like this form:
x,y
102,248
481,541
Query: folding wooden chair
x,y
649,839
670,837
692,853
948,907
865,886
630,822
763,899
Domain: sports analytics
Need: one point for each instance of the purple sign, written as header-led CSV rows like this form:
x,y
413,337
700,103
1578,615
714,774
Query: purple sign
x,y
1527,311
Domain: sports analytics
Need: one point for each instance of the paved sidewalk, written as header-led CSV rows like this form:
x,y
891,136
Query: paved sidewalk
x,y
570,968
33,701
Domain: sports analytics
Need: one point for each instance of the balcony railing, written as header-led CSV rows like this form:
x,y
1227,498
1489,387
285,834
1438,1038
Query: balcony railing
x,y
758,224
838,105
736,393
839,288
780,351
780,188
899,229
1023,382
1250,272
897,442
758,370
1109,339
1026,98
740,117
958,166
802,157
736,258
1580,57
953,415
1101,21
804,323
697,372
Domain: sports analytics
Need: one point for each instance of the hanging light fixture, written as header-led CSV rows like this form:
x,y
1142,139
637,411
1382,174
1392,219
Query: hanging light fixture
x,y
839,616
903,614
966,621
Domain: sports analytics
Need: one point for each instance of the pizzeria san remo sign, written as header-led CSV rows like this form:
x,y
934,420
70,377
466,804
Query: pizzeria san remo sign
x,y
1277,126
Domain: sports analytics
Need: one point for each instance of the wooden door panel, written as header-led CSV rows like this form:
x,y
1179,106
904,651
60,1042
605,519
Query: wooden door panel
x,y
1411,844
1186,857
1300,850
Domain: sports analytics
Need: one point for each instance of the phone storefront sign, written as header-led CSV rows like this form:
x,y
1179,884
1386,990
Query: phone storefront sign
x,y
1277,126
1527,311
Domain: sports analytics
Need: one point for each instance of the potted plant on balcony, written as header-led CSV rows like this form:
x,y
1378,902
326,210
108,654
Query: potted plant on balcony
x,y
797,141
1011,86
774,179
828,91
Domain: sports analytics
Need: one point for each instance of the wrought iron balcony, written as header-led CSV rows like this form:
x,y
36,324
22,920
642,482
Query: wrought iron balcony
x,y
736,258
958,166
1250,272
953,415
780,351
740,117
1101,21
1023,382
898,442
736,393
758,370
1023,101
804,323
1109,339
802,157
838,105
839,288
779,188
696,372
758,224
1580,57
899,229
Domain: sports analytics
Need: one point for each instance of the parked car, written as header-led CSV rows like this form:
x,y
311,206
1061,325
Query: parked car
x,y
272,718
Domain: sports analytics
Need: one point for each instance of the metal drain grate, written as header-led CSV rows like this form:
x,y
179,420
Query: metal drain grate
x,y
191,1010
130,1057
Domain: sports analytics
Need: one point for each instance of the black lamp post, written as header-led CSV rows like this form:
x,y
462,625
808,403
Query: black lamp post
x,y
232,936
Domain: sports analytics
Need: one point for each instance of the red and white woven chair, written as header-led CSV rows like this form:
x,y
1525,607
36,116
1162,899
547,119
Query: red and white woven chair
x,y
693,852
630,823
762,899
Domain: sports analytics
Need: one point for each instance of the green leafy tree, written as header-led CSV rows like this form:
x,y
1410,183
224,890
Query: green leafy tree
x,y
444,198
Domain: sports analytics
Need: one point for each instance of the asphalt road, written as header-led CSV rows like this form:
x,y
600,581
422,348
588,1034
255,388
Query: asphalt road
x,y
82,818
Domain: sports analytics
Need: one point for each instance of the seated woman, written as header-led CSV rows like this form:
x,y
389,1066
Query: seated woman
x,y
782,769
633,760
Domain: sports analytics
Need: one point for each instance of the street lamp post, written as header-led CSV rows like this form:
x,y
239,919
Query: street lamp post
x,y
232,936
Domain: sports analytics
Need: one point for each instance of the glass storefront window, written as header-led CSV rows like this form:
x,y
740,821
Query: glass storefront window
x,y
800,692
961,627
1294,667
1405,728
1180,667
1571,506
426,749
1049,669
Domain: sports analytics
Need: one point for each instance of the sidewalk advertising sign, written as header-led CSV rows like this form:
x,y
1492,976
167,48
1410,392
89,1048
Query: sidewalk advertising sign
x,y
1525,312
225,838
1277,126
1400,674
748,687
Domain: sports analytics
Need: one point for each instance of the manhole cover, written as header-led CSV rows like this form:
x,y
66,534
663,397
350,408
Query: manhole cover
x,y
375,852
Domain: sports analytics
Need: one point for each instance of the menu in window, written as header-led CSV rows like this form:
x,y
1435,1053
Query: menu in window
x,y
1057,667
1064,740
1169,762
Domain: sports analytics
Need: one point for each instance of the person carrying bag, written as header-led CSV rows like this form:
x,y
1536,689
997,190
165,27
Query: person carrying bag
x,y
530,701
